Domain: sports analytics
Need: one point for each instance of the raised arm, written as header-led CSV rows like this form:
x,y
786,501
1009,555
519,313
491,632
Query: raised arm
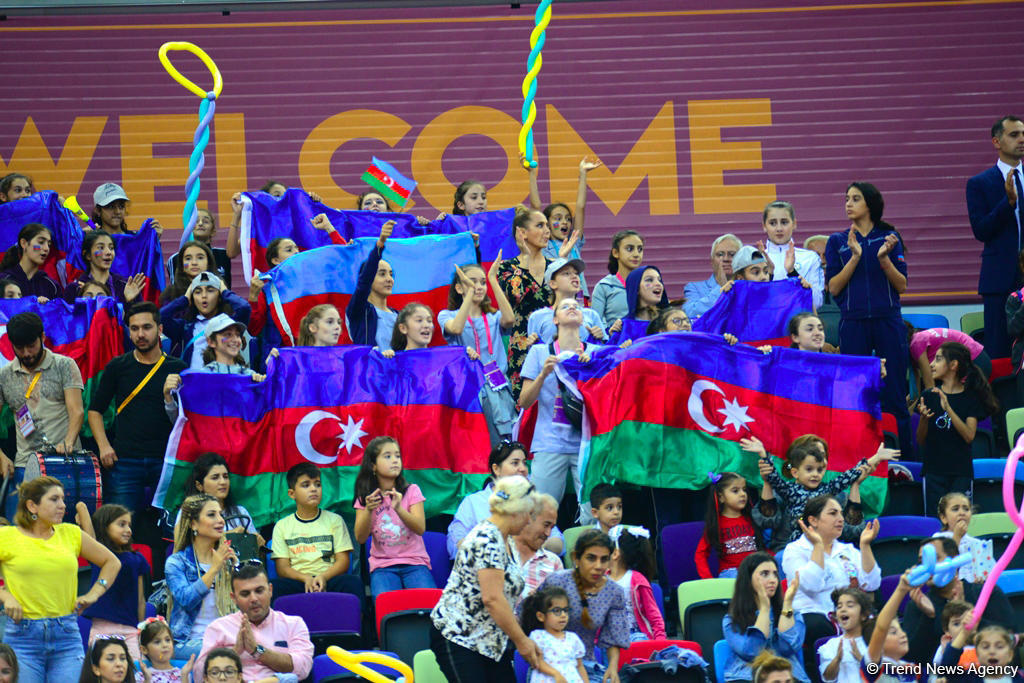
x,y
588,164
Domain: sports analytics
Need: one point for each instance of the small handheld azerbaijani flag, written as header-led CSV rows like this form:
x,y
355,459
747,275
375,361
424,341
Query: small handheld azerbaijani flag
x,y
386,179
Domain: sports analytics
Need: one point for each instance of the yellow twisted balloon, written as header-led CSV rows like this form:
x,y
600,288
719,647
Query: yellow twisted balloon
x,y
533,63
353,661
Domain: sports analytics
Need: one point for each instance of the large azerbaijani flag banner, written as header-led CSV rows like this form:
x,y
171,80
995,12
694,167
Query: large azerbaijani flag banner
x,y
324,405
678,404
87,331
137,252
423,269
265,218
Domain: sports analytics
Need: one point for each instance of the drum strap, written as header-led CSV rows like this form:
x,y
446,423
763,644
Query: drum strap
x,y
144,382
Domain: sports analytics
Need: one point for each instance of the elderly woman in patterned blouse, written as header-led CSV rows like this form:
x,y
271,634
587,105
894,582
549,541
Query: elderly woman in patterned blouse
x,y
474,623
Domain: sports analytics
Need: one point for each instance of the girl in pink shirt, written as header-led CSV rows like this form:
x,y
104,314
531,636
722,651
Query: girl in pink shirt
x,y
390,509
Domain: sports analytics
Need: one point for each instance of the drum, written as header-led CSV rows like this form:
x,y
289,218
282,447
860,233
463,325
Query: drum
x,y
79,472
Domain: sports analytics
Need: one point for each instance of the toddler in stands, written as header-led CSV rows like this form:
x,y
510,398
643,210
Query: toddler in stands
x,y
633,567
955,515
729,528
157,647
806,463
545,616
606,507
390,509
839,657
954,617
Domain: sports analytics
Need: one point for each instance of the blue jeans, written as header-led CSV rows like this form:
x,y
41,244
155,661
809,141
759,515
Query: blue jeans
x,y
400,576
48,650
183,649
11,504
126,482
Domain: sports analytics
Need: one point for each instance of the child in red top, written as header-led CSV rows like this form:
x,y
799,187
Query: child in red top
x,y
729,529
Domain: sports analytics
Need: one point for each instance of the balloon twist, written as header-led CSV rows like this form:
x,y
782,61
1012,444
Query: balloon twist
x,y
533,63
356,663
941,573
197,160
1009,476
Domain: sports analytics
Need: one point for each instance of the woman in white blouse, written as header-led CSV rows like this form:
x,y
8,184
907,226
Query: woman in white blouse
x,y
825,564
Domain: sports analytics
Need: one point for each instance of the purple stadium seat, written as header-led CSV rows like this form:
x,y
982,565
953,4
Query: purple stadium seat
x,y
679,547
907,526
324,613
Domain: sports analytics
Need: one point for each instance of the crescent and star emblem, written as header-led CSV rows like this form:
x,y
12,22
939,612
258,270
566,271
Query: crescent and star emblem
x,y
351,436
735,414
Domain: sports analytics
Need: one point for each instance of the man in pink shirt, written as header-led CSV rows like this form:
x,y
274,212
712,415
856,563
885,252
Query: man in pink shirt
x,y
270,643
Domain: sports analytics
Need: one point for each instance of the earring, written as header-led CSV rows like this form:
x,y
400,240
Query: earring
x,y
34,516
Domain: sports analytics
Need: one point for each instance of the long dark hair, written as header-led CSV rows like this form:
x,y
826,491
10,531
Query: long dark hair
x,y
275,246
5,187
711,531
500,454
539,601
460,194
28,232
181,279
876,207
637,554
588,539
971,376
613,262
867,607
223,306
95,655
366,479
399,341
743,606
201,467
103,518
455,299
90,239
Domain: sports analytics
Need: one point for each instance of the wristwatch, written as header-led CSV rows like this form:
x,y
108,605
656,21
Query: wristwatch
x,y
788,613
258,652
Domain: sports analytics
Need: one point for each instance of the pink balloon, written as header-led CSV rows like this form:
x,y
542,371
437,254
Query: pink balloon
x,y
1009,476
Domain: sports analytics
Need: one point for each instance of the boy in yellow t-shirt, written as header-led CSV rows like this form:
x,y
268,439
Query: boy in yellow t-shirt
x,y
311,547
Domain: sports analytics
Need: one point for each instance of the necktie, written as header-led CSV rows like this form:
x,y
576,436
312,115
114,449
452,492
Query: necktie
x,y
1020,200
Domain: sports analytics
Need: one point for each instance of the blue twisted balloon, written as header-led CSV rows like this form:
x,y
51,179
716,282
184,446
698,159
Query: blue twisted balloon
x,y
533,63
196,164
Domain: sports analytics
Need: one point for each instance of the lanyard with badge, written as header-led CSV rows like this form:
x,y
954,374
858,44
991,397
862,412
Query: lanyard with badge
x,y
23,416
495,377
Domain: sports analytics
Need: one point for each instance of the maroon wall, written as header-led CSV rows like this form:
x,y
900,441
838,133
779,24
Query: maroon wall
x,y
806,97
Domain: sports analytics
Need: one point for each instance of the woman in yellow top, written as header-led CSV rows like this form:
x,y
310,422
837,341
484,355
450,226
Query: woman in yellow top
x,y
39,562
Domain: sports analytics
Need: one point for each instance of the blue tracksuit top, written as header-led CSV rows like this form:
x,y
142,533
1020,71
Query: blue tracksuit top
x,y
868,294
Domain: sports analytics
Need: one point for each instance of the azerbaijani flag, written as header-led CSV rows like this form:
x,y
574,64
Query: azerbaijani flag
x,y
678,403
324,405
88,331
265,218
139,252
423,268
386,179
43,207
755,311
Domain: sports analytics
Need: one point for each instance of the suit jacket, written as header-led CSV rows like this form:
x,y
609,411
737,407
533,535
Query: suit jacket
x,y
995,225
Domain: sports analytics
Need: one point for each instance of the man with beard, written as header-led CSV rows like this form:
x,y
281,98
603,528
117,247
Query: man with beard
x,y
44,391
139,383
269,643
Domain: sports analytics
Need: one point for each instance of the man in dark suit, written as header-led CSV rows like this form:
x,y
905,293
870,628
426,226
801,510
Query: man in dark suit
x,y
995,213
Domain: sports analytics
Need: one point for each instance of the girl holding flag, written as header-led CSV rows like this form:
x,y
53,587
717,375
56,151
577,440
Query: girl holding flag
x,y
23,263
98,251
471,321
370,319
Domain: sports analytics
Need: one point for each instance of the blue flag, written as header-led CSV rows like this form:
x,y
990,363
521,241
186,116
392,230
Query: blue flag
x,y
754,311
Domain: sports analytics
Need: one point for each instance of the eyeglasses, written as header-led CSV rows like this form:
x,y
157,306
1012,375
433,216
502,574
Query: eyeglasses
x,y
222,674
558,611
679,321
